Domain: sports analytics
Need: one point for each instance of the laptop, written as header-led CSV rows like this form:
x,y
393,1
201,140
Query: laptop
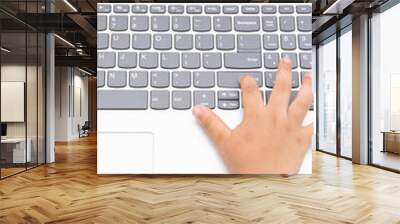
x,y
157,60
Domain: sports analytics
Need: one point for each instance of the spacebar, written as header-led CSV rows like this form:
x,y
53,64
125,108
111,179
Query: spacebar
x,y
122,99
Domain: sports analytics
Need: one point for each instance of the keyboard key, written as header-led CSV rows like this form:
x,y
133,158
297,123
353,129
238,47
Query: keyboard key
x,y
222,23
305,60
267,96
160,23
206,98
271,41
139,8
248,43
268,9
190,60
122,99
141,41
159,99
304,23
203,79
303,9
292,57
183,41
228,104
138,79
212,9
105,59
159,9
286,23
180,23
121,8
148,60
250,9
139,23
159,79
270,23
201,23
193,9
176,9
293,96
288,41
286,9
204,41
305,42
127,59
242,60
101,79
181,100
247,23
101,23
162,41
120,41
212,60
270,78
118,23
228,95
181,79
231,79
102,41
116,79
225,41
271,60
230,9
101,8
170,60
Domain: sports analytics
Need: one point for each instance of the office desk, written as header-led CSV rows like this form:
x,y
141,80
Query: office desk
x,y
16,147
391,141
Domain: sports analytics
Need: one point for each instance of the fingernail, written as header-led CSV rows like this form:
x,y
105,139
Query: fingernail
x,y
286,59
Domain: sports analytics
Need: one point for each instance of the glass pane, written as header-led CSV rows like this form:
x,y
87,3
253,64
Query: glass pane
x,y
327,97
41,98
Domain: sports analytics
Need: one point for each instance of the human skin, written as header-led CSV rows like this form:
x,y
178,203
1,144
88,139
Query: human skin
x,y
271,139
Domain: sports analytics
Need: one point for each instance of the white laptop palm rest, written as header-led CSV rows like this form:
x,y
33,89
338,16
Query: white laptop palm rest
x,y
156,61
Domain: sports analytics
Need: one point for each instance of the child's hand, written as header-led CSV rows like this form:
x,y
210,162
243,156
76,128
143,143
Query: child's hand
x,y
270,139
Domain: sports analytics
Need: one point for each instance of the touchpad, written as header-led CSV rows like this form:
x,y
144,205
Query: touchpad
x,y
125,153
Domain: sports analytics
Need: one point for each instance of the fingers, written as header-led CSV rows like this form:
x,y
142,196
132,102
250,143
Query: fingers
x,y
252,100
214,127
280,94
299,108
307,132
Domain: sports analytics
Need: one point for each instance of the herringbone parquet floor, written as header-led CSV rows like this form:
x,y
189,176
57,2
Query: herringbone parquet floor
x,y
69,191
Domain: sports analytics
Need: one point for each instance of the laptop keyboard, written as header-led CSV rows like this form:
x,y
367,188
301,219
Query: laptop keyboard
x,y
173,56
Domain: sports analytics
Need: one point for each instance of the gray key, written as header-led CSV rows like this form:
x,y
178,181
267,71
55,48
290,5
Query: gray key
x,y
212,60
222,23
176,9
228,104
101,23
231,79
286,9
228,95
305,60
105,59
181,100
206,98
212,9
169,60
230,9
248,43
268,9
160,23
101,8
127,59
269,23
159,79
247,23
159,99
270,78
288,41
183,41
180,23
102,41
116,79
157,9
139,8
201,23
303,9
141,41
120,41
305,42
267,96
118,23
242,60
292,57
101,78
225,41
203,79
139,23
191,60
295,80
162,41
250,9
148,60
293,96
271,41
138,79
121,8
286,23
271,60
304,23
122,99
204,41
193,9
181,79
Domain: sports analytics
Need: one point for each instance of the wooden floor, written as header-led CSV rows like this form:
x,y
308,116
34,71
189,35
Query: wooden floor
x,y
69,191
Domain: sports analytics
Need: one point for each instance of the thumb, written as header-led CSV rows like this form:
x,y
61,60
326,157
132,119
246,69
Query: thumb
x,y
214,127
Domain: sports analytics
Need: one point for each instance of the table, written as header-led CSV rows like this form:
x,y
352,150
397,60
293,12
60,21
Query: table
x,y
391,141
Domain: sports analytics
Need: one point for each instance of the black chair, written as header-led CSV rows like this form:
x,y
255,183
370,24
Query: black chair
x,y
84,130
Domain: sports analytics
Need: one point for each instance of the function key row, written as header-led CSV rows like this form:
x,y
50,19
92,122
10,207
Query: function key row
x,y
208,9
